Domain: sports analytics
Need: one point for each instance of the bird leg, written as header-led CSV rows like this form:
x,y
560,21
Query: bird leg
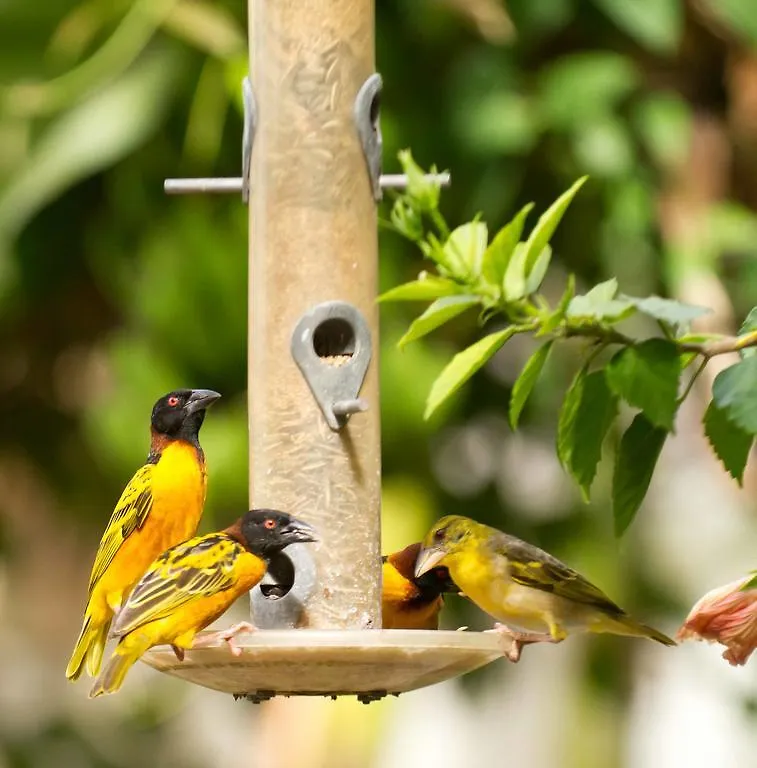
x,y
227,635
520,639
178,652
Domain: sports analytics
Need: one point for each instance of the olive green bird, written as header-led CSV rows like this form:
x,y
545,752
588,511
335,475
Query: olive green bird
x,y
522,586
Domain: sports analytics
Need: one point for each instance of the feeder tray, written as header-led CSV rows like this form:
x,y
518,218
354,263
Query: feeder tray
x,y
369,664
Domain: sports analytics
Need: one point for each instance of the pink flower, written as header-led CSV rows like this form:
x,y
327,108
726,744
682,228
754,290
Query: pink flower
x,y
728,616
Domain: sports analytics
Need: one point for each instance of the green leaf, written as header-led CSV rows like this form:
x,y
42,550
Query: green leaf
x,y
699,338
567,418
95,132
667,310
406,220
635,461
605,147
423,192
751,584
465,247
730,443
586,416
656,24
524,384
547,224
600,304
749,325
496,121
646,376
604,291
733,391
434,250
596,81
439,313
664,124
497,255
554,320
739,16
514,284
463,365
535,277
422,289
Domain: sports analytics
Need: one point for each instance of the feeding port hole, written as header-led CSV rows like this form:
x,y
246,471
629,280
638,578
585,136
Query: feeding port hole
x,y
279,579
334,341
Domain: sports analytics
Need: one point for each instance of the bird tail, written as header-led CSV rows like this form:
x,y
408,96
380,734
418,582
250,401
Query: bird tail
x,y
625,625
89,648
124,657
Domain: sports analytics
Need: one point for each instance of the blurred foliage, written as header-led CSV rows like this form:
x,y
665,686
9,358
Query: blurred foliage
x,y
502,279
111,293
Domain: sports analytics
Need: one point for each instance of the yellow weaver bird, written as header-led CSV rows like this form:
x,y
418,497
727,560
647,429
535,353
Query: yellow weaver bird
x,y
161,506
523,586
194,583
408,602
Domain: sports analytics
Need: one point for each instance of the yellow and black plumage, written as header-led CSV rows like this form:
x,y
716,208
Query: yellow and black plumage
x,y
161,506
407,601
523,586
194,583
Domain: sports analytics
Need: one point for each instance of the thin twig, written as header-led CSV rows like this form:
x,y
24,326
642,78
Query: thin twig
x,y
708,349
440,223
693,379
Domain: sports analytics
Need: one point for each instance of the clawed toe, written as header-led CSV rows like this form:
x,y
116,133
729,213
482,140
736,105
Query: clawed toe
x,y
230,634
517,640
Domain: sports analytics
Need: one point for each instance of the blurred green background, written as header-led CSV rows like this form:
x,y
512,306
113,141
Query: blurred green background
x,y
112,293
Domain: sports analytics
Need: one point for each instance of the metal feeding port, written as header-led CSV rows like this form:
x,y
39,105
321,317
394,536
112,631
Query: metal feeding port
x,y
312,177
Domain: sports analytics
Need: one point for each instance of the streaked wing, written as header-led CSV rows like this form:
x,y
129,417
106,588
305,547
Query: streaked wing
x,y
130,514
532,567
200,567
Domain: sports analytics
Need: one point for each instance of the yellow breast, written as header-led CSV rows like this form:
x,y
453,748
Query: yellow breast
x,y
179,485
484,578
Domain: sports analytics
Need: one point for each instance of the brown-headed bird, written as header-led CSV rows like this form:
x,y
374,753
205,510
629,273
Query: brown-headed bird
x,y
192,584
523,586
161,506
407,601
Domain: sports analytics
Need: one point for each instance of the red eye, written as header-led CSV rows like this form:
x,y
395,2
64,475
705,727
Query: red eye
x,y
441,573
173,401
269,524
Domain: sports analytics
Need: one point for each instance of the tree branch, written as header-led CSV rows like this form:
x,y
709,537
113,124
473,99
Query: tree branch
x,y
708,349
721,346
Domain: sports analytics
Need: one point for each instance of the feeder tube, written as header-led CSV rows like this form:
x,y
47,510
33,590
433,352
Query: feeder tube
x,y
313,239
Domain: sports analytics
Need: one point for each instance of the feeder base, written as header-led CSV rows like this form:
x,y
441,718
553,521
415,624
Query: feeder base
x,y
368,664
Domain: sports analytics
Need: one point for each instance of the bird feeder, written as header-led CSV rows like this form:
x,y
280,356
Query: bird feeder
x,y
311,175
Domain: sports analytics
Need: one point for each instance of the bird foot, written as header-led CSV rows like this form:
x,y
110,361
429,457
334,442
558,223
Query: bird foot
x,y
517,640
227,635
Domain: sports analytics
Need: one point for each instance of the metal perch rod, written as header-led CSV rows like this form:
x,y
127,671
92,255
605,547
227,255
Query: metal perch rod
x,y
233,184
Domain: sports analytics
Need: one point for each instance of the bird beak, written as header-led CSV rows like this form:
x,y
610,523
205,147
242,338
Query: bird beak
x,y
200,399
298,531
427,559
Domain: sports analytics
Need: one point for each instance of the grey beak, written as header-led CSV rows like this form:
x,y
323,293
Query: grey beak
x,y
200,399
299,531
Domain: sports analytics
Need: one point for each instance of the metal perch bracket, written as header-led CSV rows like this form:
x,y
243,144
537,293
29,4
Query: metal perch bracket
x,y
331,345
366,114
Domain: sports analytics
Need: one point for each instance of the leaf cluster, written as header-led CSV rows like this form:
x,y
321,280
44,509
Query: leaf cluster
x,y
501,276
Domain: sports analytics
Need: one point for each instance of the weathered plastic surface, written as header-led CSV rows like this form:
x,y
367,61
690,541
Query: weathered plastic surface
x,y
313,238
341,662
